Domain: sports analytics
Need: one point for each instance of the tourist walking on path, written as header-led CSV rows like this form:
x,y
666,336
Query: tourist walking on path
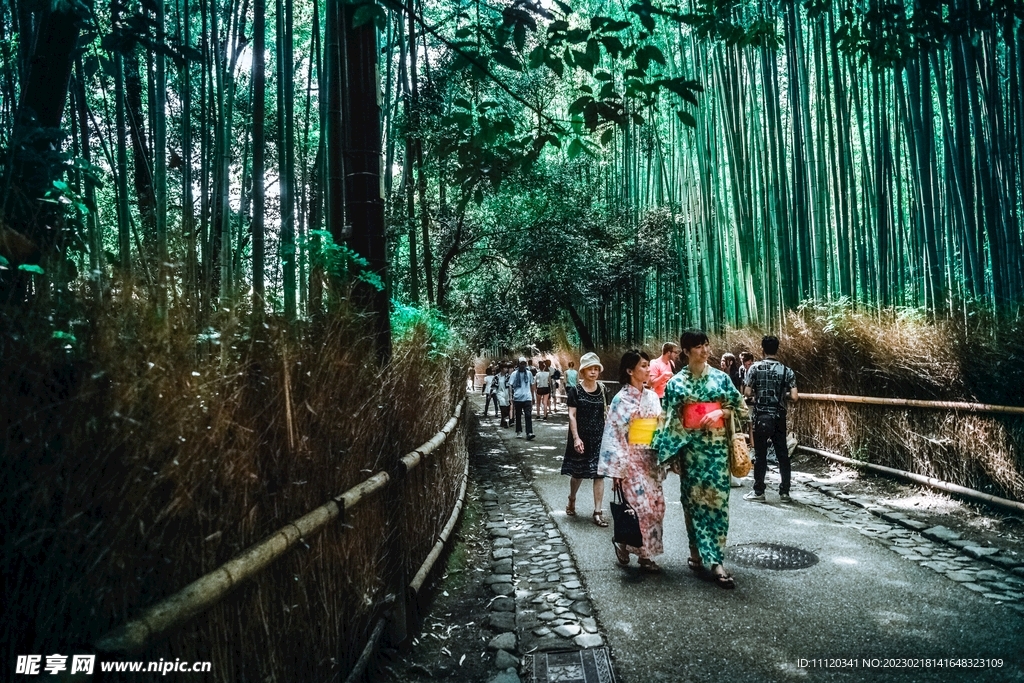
x,y
556,380
731,367
770,383
501,379
698,401
571,376
661,368
522,398
746,360
630,462
491,390
587,405
543,380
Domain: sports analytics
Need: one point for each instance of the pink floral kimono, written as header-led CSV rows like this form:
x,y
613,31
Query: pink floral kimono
x,y
636,465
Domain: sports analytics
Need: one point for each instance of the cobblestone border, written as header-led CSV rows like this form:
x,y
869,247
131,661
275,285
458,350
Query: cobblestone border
x,y
942,550
539,603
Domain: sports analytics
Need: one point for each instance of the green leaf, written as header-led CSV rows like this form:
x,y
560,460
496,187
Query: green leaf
x,y
612,44
687,118
606,136
370,12
64,336
31,268
575,148
536,57
580,103
519,36
4,262
505,57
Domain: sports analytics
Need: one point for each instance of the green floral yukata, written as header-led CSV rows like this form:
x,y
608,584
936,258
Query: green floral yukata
x,y
704,482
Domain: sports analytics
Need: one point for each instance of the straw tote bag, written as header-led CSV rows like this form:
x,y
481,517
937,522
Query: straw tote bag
x,y
739,452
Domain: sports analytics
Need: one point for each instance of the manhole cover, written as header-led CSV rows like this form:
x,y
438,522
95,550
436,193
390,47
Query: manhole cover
x,y
770,556
569,666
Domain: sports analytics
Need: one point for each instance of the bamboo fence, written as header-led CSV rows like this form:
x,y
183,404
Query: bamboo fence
x,y
976,446
211,588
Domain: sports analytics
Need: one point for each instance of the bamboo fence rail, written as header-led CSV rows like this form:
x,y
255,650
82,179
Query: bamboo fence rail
x,y
979,496
209,589
912,403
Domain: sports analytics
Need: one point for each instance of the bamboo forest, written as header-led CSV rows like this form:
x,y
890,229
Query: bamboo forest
x,y
711,163
258,257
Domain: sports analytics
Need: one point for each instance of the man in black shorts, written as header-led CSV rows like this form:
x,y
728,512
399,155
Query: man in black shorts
x,y
770,383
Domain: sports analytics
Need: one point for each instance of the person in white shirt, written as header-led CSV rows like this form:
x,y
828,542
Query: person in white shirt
x,y
491,391
543,380
504,403
523,384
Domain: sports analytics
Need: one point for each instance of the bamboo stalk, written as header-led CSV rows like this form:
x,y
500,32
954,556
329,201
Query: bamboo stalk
x,y
912,403
1013,505
209,589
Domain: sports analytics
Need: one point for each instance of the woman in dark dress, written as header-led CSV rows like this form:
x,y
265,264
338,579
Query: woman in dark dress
x,y
587,404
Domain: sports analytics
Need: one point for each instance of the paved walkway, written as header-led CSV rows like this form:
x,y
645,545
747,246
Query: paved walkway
x,y
879,591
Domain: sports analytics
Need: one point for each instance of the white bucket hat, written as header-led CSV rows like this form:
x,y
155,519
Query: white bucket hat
x,y
589,359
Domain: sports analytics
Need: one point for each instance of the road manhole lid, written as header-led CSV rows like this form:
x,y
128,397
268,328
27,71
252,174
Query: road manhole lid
x,y
770,556
592,665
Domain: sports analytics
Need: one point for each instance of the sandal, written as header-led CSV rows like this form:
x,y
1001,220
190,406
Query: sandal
x,y
696,566
725,581
599,518
649,566
621,554
570,509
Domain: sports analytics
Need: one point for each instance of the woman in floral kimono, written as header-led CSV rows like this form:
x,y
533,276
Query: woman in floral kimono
x,y
698,401
635,466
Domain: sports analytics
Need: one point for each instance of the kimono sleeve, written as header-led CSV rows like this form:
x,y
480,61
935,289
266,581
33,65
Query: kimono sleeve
x,y
612,459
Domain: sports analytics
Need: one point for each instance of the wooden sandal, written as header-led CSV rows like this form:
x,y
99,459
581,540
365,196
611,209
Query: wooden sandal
x,y
599,518
696,566
650,566
570,509
725,581
621,554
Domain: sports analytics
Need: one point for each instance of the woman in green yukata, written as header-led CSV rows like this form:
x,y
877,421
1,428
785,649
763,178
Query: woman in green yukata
x,y
698,401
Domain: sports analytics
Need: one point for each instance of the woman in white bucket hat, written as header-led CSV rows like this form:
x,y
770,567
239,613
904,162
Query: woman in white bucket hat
x,y
587,403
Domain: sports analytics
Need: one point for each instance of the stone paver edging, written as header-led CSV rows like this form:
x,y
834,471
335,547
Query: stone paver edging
x,y
539,603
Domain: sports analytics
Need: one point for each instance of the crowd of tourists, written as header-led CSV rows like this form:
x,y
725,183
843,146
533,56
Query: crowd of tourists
x,y
672,413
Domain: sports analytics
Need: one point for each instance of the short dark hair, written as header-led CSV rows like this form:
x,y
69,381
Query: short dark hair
x,y
745,356
691,338
770,344
668,347
629,360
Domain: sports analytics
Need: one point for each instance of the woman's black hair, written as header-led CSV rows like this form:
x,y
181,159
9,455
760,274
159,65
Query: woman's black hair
x,y
629,361
692,338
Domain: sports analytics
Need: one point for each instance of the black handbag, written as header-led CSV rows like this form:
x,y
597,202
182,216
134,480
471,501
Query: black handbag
x,y
627,525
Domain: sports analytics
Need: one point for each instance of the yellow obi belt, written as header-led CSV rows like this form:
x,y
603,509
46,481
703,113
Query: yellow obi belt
x,y
641,430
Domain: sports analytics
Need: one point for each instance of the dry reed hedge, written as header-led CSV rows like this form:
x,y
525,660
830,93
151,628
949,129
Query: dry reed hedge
x,y
836,350
147,459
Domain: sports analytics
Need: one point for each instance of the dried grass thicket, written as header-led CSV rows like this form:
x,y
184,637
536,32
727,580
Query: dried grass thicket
x,y
837,350
147,457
